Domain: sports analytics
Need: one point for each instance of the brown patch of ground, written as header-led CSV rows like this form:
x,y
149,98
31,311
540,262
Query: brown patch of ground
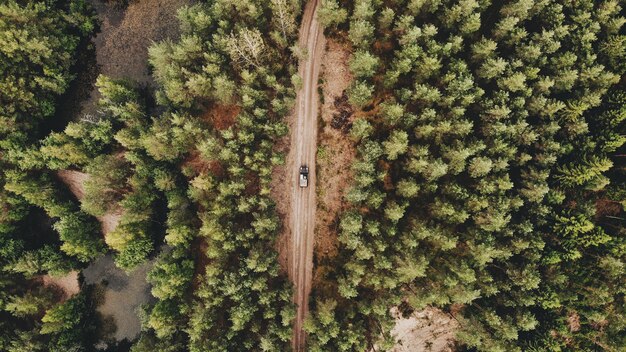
x,y
428,330
122,44
252,184
607,207
221,116
123,295
75,182
125,35
67,285
200,166
109,222
336,150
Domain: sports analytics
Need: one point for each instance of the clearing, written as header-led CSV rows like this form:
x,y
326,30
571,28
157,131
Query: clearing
x,y
75,182
125,35
67,285
429,330
123,294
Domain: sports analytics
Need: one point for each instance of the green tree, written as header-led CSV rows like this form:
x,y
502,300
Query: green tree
x,y
330,14
396,144
363,64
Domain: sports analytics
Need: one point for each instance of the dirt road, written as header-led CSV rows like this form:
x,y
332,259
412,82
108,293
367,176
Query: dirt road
x,y
302,152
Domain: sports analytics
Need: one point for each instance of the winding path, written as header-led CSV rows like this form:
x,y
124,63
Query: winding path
x,y
302,152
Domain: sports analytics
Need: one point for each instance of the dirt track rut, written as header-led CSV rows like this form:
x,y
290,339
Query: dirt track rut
x,y
302,152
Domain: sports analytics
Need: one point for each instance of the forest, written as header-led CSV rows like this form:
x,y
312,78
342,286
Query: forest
x,y
490,176
489,182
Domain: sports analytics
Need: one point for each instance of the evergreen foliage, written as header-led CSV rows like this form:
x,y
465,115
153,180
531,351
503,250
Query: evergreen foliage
x,y
481,174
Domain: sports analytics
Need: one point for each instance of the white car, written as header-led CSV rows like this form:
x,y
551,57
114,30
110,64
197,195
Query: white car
x,y
304,176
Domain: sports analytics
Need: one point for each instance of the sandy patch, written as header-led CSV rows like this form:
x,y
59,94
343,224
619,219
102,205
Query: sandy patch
x,y
123,294
336,151
429,330
75,182
67,285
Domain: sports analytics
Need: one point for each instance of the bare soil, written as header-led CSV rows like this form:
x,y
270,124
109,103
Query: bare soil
x,y
67,285
336,150
195,162
75,182
429,330
123,294
125,36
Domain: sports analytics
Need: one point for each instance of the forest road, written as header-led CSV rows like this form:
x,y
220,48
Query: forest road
x,y
302,152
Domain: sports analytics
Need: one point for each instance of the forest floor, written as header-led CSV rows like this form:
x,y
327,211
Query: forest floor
x,y
75,182
123,294
125,35
428,330
66,285
336,151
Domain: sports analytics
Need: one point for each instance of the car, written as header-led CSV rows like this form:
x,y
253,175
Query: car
x,y
304,176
